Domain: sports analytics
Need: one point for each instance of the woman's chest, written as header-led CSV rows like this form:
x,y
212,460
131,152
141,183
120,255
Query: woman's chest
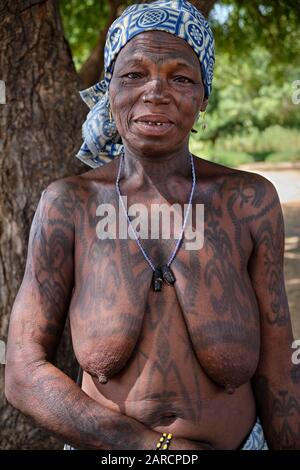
x,y
208,318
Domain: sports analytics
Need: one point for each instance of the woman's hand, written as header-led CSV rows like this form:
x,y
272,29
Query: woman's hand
x,y
151,438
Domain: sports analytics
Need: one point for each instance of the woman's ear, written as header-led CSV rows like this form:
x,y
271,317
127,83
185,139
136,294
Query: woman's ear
x,y
204,105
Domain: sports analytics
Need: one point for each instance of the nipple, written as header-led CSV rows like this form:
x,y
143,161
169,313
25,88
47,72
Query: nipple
x,y
230,389
102,378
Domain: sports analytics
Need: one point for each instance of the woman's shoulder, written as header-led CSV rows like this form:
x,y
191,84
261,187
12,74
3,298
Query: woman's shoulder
x,y
247,194
84,182
232,175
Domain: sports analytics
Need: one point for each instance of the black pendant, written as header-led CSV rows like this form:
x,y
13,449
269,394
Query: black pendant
x,y
157,280
161,274
168,275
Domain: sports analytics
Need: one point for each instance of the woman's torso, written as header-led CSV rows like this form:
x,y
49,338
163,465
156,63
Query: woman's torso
x,y
171,357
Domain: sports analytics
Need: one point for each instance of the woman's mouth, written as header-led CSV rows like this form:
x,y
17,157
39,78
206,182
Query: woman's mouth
x,y
153,128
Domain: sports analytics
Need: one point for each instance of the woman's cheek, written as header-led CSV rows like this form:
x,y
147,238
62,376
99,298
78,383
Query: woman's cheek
x,y
121,119
124,111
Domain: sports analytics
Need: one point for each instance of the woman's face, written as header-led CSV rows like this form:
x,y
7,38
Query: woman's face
x,y
165,70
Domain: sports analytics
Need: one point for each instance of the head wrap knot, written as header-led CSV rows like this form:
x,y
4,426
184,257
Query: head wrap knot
x,y
102,141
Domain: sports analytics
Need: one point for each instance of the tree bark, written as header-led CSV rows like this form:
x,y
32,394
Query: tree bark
x,y
40,131
205,6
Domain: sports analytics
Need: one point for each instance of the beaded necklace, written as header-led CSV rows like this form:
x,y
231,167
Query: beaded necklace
x,y
164,272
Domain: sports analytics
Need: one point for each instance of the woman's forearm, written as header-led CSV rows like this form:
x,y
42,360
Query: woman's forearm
x,y
58,405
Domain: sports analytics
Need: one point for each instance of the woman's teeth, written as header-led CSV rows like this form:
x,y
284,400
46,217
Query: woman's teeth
x,y
153,123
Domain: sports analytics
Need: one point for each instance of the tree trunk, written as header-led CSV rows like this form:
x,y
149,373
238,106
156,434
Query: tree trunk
x,y
92,68
205,6
40,131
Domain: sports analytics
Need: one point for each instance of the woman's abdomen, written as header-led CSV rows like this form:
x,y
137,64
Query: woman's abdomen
x,y
224,420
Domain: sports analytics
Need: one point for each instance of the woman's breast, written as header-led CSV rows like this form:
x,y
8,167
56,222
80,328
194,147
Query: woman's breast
x,y
208,321
167,338
168,369
165,358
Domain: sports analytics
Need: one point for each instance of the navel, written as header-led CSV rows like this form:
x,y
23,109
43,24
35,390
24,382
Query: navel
x,y
230,389
102,378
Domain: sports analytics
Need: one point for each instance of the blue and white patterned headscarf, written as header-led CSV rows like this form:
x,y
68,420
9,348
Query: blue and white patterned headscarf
x,y
102,141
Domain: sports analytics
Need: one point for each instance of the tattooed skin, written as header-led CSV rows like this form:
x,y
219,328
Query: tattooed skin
x,y
183,360
281,410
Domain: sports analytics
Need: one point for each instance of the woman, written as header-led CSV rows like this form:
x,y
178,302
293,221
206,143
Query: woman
x,y
193,343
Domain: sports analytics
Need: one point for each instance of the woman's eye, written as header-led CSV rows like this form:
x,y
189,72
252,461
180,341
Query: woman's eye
x,y
132,73
135,75
184,78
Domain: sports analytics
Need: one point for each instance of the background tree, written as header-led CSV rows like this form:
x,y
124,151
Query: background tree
x,y
40,132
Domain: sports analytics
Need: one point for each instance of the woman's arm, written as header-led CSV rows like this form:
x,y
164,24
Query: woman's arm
x,y
32,383
275,384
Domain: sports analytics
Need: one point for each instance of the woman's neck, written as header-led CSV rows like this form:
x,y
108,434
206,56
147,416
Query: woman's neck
x,y
145,171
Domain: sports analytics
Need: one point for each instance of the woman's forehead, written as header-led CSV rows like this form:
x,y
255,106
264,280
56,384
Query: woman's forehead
x,y
161,43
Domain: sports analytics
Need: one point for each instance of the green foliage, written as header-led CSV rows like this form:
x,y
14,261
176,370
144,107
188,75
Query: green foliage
x,y
246,94
274,144
273,24
224,157
251,115
82,22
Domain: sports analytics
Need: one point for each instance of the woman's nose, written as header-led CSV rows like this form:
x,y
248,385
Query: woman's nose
x,y
156,91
